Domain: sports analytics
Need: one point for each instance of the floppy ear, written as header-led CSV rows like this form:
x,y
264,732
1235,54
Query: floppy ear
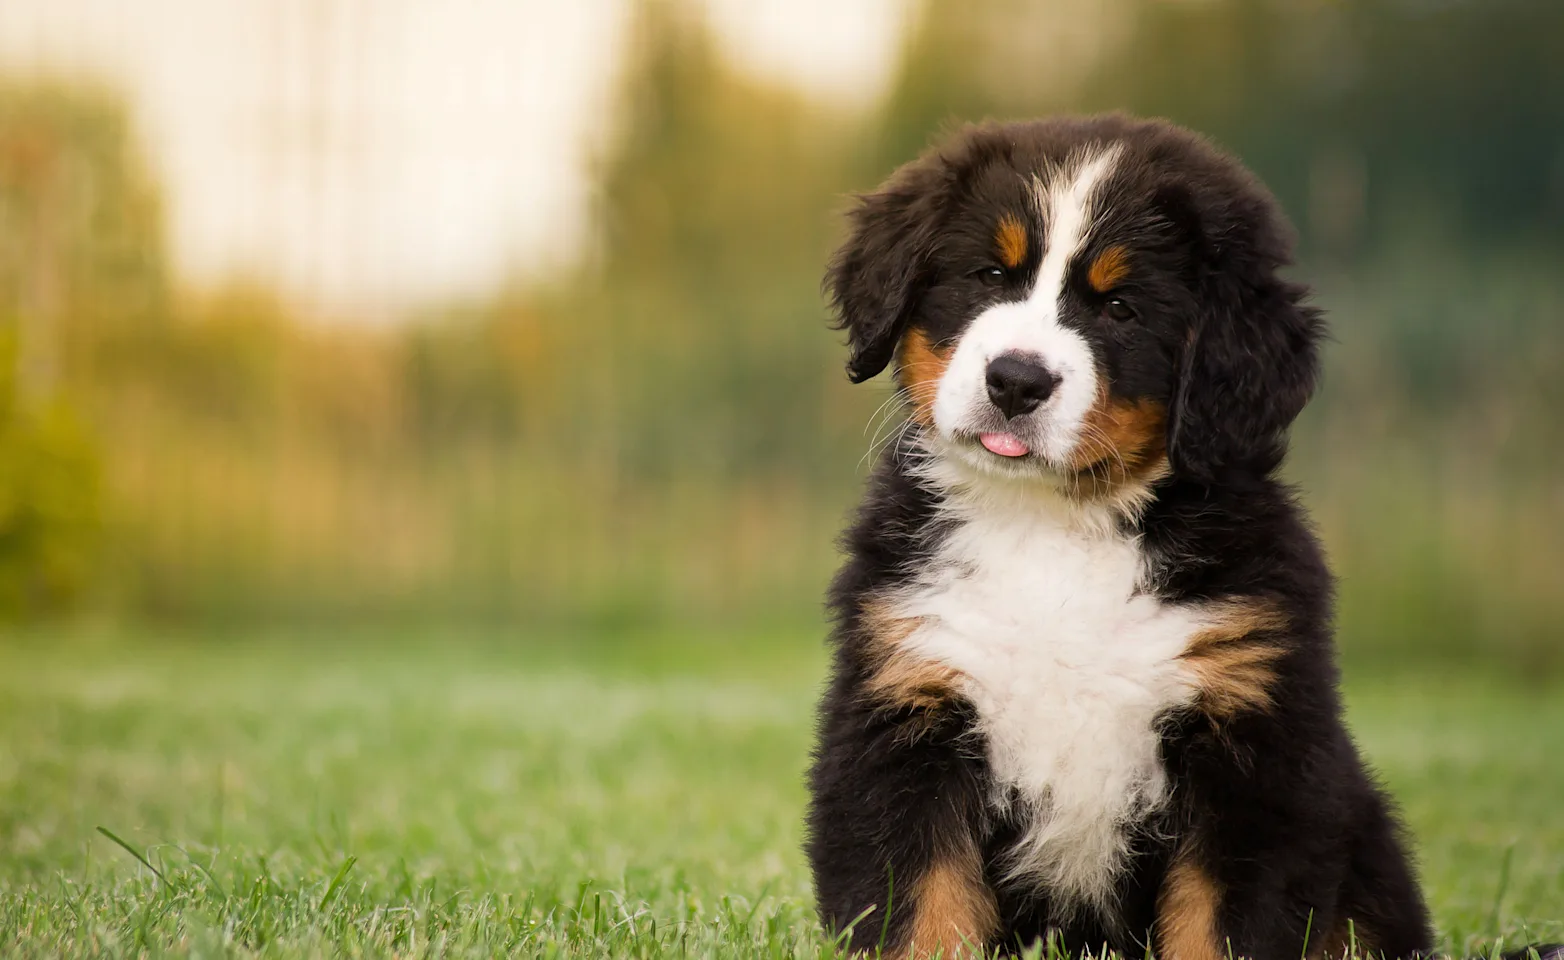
x,y
1250,360
877,276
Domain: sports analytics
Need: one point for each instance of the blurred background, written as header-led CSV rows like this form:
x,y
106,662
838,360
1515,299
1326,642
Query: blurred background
x,y
506,314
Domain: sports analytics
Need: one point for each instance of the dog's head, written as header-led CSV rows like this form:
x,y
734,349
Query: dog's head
x,y
1088,301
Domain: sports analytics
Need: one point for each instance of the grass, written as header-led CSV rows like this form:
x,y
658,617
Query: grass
x,y
305,796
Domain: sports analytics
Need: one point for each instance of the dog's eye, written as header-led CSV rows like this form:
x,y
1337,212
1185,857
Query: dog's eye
x,y
1117,309
990,275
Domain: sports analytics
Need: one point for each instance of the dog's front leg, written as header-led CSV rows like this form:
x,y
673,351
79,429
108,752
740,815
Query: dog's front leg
x,y
896,825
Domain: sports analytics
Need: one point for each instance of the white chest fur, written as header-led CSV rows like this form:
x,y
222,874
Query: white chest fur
x,y
1068,665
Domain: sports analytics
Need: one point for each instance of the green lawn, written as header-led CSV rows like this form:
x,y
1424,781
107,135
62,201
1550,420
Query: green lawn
x,y
304,796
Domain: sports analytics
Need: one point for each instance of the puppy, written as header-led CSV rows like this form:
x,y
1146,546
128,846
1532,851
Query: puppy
x,y
1084,684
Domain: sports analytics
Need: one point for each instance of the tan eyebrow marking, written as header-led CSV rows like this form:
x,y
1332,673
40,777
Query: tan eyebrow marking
x,y
1010,237
1110,267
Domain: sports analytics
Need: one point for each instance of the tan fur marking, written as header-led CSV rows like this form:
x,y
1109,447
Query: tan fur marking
x,y
901,679
1010,238
1110,267
1187,910
1234,669
1123,442
920,366
954,912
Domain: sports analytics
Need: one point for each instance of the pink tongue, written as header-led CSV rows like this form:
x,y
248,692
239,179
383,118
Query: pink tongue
x,y
1004,444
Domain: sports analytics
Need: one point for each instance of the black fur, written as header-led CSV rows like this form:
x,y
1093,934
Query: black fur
x,y
1294,830
876,280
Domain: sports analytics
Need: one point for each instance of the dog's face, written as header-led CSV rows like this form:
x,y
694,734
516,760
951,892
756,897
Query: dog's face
x,y
1092,303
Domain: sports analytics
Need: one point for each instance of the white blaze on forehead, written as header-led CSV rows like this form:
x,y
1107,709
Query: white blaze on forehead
x,y
1066,204
1065,195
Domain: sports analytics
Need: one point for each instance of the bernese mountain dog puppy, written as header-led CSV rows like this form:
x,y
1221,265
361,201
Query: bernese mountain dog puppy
x,y
1084,685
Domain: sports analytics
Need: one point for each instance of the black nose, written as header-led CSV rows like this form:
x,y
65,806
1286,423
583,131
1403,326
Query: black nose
x,y
1017,385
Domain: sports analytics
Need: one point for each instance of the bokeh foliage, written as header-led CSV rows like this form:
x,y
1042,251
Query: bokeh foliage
x,y
662,432
49,503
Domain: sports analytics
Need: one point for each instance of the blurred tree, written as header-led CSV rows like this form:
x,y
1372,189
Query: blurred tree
x,y
82,263
664,430
49,499
80,267
699,318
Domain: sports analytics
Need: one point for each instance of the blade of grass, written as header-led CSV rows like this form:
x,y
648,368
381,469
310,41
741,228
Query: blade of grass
x,y
336,882
1504,886
890,900
133,852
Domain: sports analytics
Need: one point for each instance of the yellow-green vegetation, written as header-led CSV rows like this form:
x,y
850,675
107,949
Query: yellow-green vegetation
x,y
49,505
660,433
582,795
